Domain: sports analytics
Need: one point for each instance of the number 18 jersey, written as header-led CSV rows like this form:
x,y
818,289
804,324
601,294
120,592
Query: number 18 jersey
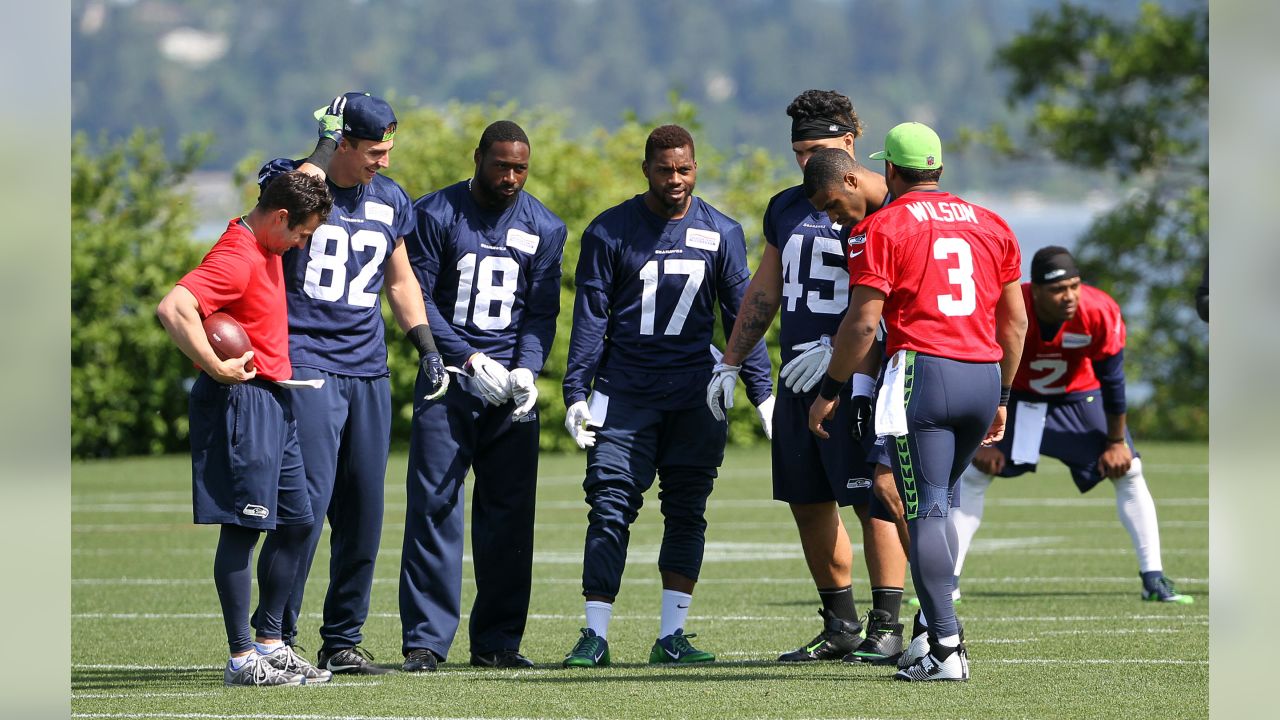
x,y
942,263
334,284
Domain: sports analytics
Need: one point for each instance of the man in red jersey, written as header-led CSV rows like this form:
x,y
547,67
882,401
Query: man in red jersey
x,y
246,466
1069,404
943,274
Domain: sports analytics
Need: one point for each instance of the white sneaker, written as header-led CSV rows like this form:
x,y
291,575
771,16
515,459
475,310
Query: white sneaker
x,y
918,648
285,659
257,671
929,668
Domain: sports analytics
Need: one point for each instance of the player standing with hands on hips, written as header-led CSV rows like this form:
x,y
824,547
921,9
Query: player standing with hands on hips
x,y
943,274
649,276
488,255
336,334
246,467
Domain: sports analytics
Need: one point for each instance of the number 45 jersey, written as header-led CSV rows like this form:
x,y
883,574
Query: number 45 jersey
x,y
1063,364
491,279
334,284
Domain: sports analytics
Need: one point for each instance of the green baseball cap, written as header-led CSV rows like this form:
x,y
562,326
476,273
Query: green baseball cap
x,y
912,145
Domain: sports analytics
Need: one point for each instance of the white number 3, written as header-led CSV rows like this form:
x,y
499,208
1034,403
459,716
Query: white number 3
x,y
961,276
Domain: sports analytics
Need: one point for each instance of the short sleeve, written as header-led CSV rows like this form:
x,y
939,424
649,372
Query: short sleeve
x,y
771,232
219,279
1110,336
406,218
1011,265
870,258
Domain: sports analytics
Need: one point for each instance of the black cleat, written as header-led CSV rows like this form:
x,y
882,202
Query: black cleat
x,y
837,639
420,660
883,643
349,661
509,659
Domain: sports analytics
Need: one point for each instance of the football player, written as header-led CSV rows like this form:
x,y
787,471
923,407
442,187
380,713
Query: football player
x,y
488,255
804,273
943,274
650,274
1069,404
336,334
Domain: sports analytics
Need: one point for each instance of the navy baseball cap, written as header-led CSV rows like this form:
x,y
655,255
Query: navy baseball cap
x,y
368,118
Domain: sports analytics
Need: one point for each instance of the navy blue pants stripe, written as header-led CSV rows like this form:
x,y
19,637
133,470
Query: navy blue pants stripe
x,y
683,449
451,436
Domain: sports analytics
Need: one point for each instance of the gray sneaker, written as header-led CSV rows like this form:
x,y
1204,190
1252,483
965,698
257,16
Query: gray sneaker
x,y
256,671
284,658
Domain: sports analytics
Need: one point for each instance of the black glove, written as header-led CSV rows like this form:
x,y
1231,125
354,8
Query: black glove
x,y
430,361
862,417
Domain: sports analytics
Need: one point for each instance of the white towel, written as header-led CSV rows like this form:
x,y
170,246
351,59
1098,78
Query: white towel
x,y
1028,431
598,406
891,411
301,384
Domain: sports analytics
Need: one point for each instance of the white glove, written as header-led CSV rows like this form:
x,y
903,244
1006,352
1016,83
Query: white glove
x,y
806,369
576,419
765,409
490,379
521,386
720,390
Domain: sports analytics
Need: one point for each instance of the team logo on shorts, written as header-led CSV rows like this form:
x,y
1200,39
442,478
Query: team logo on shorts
x,y
858,484
256,511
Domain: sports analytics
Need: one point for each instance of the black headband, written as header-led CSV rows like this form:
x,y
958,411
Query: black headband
x,y
818,128
1053,268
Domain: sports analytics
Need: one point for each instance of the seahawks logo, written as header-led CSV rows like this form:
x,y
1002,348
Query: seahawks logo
x,y
856,240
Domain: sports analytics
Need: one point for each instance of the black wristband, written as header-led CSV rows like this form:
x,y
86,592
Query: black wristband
x,y
320,157
421,338
829,388
1004,396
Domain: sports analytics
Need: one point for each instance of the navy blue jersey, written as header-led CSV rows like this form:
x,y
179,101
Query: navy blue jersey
x,y
334,284
647,293
491,279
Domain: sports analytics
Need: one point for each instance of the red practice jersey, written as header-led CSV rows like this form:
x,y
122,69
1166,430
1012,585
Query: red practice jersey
x,y
1065,363
942,263
243,279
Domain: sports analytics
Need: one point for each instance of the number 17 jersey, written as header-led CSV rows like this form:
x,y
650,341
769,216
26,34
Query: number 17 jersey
x,y
334,283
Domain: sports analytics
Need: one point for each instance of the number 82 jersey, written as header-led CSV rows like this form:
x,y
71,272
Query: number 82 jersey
x,y
333,285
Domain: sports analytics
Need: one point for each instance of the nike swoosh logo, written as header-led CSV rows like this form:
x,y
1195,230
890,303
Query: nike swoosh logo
x,y
339,668
683,607
853,255
673,656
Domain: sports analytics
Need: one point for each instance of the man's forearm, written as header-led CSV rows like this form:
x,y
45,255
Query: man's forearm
x,y
753,321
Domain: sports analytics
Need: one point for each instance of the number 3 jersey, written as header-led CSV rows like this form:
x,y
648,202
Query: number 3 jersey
x,y
1064,363
646,304
334,284
491,279
942,263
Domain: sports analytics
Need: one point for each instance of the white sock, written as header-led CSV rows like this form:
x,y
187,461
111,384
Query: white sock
x,y
675,610
238,662
599,614
267,648
949,641
967,517
1138,515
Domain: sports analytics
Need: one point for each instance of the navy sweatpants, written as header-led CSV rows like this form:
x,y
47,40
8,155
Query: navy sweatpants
x,y
450,436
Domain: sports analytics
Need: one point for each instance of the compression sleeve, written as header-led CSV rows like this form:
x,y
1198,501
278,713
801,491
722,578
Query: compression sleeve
x,y
1110,372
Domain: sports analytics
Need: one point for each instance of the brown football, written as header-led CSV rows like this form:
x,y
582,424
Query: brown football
x,y
227,336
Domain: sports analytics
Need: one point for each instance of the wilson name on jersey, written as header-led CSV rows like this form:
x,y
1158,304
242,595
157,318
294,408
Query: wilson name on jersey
x,y
333,285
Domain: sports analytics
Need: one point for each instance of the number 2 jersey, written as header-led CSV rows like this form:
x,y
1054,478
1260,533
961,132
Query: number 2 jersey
x,y
1063,364
491,279
644,315
942,263
334,284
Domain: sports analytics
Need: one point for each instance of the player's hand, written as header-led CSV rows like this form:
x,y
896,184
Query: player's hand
x,y
806,369
989,460
996,431
234,370
885,487
576,419
821,409
765,410
1115,460
523,389
329,119
437,377
861,417
720,390
490,378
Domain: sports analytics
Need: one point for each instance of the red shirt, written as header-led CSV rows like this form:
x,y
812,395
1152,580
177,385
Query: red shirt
x,y
942,263
243,279
1065,363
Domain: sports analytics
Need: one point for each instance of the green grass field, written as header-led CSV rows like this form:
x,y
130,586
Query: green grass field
x,y
1054,622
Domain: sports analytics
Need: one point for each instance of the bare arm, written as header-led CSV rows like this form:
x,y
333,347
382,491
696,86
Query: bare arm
x,y
179,312
857,334
1011,333
760,304
403,291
